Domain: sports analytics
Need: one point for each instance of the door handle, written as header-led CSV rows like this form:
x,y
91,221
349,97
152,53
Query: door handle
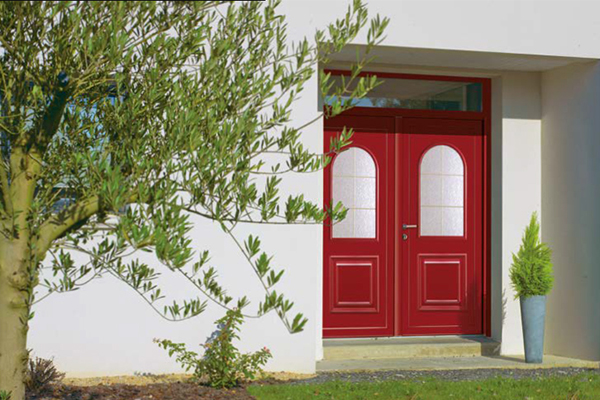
x,y
405,226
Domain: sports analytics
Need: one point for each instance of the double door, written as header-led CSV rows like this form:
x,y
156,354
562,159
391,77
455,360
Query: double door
x,y
407,259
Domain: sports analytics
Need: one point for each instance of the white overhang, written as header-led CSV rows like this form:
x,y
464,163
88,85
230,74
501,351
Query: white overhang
x,y
394,57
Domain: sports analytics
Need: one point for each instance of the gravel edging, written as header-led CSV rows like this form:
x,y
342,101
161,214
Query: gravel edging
x,y
448,375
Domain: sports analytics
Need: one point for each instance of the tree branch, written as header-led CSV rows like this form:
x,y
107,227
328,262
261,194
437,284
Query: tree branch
x,y
60,223
282,314
50,121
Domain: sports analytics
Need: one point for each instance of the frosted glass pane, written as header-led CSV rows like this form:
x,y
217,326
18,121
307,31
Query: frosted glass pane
x,y
432,161
431,190
343,190
364,193
345,228
453,221
453,163
343,164
453,191
431,221
354,183
365,166
364,223
442,192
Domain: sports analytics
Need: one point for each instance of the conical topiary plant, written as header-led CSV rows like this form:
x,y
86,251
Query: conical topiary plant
x,y
531,271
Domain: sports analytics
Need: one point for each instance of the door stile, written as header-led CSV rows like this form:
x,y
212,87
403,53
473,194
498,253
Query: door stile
x,y
404,245
392,216
399,254
403,210
487,219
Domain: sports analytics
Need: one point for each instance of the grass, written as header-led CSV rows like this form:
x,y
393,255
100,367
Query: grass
x,y
578,387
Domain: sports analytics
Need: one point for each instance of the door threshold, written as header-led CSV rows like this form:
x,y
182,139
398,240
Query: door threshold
x,y
409,339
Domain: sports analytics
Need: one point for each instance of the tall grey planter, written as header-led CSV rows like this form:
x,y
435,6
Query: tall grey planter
x,y
533,315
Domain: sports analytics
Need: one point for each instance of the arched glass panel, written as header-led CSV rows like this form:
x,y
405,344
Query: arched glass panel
x,y
354,184
442,192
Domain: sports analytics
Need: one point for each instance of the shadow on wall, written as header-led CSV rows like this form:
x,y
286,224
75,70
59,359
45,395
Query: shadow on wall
x,y
516,188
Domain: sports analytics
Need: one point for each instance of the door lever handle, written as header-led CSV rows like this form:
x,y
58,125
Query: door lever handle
x,y
405,226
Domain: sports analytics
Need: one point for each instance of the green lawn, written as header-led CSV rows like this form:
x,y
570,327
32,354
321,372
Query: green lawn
x,y
579,387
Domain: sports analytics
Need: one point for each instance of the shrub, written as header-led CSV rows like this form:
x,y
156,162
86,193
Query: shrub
x,y
531,271
222,365
41,373
4,395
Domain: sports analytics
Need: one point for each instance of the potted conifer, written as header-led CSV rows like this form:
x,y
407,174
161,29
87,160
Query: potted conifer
x,y
531,276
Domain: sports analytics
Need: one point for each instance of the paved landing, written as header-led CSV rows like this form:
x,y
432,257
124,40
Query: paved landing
x,y
449,363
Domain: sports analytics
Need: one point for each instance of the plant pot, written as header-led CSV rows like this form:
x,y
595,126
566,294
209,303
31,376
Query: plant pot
x,y
533,315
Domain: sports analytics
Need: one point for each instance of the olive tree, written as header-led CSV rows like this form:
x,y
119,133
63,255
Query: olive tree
x,y
122,122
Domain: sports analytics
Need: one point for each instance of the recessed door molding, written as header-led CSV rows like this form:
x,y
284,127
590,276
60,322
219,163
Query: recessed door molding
x,y
382,285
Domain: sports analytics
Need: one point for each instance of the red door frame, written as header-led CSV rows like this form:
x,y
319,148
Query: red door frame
x,y
485,116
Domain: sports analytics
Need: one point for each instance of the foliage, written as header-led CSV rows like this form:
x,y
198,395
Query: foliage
x,y
124,123
41,373
578,387
221,364
4,395
120,121
531,271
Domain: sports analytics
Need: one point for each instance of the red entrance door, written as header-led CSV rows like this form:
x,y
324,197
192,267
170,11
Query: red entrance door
x,y
359,264
408,258
441,263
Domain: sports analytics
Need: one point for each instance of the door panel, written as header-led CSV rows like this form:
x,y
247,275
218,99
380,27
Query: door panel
x,y
441,265
358,263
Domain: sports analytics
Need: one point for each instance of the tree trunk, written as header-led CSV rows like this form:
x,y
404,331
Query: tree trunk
x,y
13,319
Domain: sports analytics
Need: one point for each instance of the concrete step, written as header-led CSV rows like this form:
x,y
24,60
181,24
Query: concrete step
x,y
409,347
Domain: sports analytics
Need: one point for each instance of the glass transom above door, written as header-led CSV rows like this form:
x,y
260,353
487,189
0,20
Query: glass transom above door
x,y
418,94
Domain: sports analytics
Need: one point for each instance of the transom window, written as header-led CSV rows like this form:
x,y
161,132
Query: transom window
x,y
442,175
354,184
419,94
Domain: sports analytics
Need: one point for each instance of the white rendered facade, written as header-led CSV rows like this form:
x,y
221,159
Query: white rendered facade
x,y
542,59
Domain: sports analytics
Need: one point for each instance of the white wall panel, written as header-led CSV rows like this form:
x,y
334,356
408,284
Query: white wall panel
x,y
571,197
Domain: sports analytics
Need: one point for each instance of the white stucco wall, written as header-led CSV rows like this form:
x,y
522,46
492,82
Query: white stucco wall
x,y
521,185
107,329
112,326
571,193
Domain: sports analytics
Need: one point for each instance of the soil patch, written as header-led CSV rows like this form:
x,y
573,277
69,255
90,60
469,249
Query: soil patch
x,y
155,391
153,387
